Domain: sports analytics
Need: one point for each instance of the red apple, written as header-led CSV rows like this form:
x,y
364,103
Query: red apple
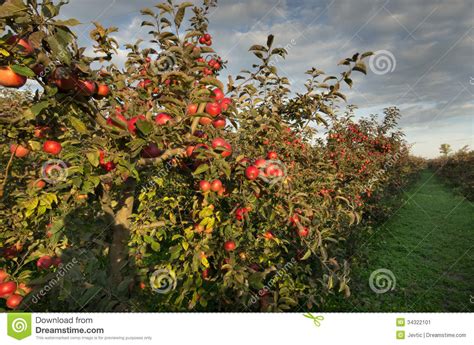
x,y
189,151
64,79
229,246
151,151
303,231
205,121
225,103
109,166
118,121
294,219
216,185
162,118
56,262
192,109
213,109
204,186
40,131
8,78
218,94
7,288
144,83
20,151
14,301
44,262
52,147
252,172
268,235
240,213
26,47
221,144
131,124
102,90
39,184
3,275
86,87
260,163
219,122
272,155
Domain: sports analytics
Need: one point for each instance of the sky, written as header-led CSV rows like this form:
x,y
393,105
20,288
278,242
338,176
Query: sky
x,y
423,61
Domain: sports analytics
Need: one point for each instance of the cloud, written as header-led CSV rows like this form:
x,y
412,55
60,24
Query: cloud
x,y
432,42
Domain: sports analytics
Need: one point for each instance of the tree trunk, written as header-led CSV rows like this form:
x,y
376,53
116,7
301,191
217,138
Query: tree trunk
x,y
118,254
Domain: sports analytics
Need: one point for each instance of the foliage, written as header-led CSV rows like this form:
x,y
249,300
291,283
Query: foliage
x,y
136,147
457,169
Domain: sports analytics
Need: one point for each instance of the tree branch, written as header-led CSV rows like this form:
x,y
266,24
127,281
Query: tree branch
x,y
167,154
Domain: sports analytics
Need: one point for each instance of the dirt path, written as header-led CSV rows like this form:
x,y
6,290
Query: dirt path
x,y
425,252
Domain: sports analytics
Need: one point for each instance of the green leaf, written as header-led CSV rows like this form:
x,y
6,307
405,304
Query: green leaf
x,y
31,203
366,54
59,51
179,16
12,8
93,158
258,48
38,107
155,246
145,127
270,41
4,52
212,81
360,67
147,12
204,262
78,124
68,22
23,70
348,81
306,255
185,245
200,169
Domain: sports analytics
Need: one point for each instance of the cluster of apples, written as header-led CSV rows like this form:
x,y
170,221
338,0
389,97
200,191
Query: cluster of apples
x,y
67,81
213,109
263,167
214,65
62,77
8,78
206,39
46,262
295,221
11,291
49,146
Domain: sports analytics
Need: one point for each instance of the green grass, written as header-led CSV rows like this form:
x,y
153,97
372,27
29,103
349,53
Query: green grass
x,y
428,244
